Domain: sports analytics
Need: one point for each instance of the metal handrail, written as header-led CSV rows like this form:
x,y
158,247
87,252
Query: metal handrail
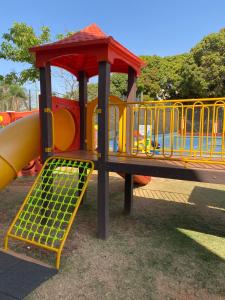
x,y
190,129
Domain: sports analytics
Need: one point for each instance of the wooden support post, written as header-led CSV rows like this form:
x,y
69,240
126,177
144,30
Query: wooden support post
x,y
83,80
131,96
103,203
45,107
103,146
128,200
131,85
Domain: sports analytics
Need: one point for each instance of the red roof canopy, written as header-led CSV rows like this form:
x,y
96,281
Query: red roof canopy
x,y
84,49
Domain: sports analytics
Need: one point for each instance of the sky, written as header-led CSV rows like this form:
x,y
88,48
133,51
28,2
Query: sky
x,y
146,27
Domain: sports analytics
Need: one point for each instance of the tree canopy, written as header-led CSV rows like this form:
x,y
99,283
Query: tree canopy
x,y
203,73
199,73
15,47
12,97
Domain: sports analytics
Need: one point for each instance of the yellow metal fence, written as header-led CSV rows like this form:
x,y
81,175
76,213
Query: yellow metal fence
x,y
192,129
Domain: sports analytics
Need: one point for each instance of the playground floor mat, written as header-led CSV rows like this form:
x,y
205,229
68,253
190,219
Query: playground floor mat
x,y
19,277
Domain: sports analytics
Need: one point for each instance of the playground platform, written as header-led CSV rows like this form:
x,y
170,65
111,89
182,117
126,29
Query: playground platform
x,y
174,169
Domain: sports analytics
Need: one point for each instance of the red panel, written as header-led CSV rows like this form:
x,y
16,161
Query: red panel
x,y
74,108
140,180
21,114
5,119
11,116
32,168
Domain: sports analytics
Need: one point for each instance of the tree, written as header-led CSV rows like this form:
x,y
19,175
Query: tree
x,y
92,91
12,97
159,79
192,84
200,73
118,85
161,76
67,82
15,47
203,73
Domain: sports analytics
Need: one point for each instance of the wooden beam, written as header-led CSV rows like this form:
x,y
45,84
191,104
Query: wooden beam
x,y
166,170
46,117
103,146
83,80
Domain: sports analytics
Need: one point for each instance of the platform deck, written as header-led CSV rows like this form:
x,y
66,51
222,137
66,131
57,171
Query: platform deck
x,y
192,171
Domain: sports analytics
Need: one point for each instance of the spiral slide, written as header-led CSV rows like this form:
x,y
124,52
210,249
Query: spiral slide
x,y
20,142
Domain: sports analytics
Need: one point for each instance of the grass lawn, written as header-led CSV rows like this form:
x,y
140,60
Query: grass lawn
x,y
172,247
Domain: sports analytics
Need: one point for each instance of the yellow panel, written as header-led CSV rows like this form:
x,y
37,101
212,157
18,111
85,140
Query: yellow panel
x,y
20,141
64,129
8,172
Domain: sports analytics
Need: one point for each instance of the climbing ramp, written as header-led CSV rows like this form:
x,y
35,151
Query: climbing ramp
x,y
48,211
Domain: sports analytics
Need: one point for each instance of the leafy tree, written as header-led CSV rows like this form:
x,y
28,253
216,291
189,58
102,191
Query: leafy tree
x,y
161,76
200,73
15,47
148,82
203,73
159,79
92,91
192,84
118,85
12,97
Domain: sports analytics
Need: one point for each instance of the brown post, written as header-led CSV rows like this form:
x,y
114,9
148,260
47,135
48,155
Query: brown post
x,y
131,96
45,107
83,80
103,146
128,200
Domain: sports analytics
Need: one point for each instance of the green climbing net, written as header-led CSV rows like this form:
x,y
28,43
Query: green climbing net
x,y
50,207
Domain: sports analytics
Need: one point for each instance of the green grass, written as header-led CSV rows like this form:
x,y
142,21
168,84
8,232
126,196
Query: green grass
x,y
172,247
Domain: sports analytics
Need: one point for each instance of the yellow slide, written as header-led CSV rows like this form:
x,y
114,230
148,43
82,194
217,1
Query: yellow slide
x,y
20,142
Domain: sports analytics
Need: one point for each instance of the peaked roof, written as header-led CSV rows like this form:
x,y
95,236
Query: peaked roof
x,y
89,33
83,50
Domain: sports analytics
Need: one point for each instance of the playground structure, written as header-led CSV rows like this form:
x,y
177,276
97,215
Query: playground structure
x,y
180,139
34,166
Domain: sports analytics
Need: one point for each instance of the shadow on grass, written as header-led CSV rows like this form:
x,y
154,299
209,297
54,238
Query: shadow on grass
x,y
202,196
170,234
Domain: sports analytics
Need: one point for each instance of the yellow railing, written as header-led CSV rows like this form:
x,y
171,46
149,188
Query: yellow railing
x,y
190,129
